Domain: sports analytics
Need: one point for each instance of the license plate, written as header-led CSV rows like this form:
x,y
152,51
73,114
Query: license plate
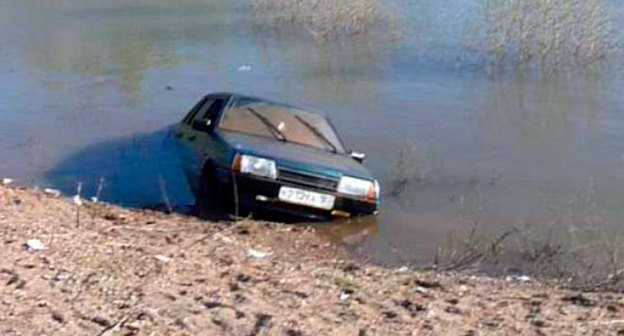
x,y
307,198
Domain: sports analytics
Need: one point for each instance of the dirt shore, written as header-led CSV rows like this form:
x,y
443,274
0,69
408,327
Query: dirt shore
x,y
105,270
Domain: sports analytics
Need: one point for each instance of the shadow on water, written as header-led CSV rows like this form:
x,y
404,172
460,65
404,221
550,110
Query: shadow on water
x,y
144,171
137,171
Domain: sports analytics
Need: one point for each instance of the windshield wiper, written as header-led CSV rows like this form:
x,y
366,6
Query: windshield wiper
x,y
317,133
272,128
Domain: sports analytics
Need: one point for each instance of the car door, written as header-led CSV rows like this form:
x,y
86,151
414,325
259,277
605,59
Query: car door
x,y
181,132
199,142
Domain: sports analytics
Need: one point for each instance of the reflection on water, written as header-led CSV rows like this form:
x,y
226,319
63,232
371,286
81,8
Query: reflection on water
x,y
89,86
553,109
350,232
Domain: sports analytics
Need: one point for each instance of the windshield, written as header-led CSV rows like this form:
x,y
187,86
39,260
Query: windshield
x,y
284,123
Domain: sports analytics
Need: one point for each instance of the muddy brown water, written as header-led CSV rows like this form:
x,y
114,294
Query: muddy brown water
x,y
89,86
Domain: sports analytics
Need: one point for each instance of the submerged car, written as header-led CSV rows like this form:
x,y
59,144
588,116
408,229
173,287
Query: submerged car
x,y
244,154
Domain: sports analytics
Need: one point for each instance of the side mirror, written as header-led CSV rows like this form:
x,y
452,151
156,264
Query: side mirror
x,y
202,125
357,156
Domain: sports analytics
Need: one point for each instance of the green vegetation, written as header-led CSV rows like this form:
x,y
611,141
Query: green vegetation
x,y
345,283
547,33
326,19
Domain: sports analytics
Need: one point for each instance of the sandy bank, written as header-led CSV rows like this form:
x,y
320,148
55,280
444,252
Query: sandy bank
x,y
113,271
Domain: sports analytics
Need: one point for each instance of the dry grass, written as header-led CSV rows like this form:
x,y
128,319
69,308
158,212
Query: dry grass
x,y
411,166
546,33
326,19
589,258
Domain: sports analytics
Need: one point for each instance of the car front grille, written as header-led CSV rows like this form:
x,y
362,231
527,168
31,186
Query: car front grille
x,y
307,180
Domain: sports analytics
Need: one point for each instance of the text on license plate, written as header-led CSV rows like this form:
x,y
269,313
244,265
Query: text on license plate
x,y
308,198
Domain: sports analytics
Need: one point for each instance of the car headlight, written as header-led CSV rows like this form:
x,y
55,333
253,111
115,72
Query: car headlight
x,y
253,165
358,187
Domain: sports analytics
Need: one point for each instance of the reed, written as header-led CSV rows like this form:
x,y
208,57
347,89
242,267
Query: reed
x,y
546,33
326,19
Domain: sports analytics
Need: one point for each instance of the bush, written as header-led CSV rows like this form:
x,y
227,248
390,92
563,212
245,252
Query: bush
x,y
548,33
325,19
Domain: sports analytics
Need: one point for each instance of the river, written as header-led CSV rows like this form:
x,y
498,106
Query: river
x,y
88,86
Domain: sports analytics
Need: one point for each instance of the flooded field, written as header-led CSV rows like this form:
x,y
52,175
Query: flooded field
x,y
88,88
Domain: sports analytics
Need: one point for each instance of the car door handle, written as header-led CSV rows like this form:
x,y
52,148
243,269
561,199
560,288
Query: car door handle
x,y
192,138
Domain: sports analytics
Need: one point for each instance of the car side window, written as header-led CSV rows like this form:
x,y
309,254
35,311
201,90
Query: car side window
x,y
202,111
210,110
193,111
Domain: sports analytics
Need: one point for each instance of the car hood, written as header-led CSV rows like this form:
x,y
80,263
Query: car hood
x,y
297,157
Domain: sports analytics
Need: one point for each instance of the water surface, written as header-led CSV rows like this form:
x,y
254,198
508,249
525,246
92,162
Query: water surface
x,y
89,86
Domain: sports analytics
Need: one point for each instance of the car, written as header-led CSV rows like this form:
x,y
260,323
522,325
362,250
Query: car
x,y
242,154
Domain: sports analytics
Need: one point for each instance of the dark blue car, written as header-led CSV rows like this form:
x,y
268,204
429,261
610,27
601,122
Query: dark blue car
x,y
244,154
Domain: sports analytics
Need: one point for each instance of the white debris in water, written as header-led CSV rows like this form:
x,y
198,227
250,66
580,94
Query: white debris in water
x,y
94,200
77,200
52,192
244,68
34,245
162,258
402,269
6,181
518,278
255,254
524,278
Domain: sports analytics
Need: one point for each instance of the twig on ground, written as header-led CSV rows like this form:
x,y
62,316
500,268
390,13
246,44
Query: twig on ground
x,y
100,187
77,200
150,229
96,199
115,327
235,189
164,194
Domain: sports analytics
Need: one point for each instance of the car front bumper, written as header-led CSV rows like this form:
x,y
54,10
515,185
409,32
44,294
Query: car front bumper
x,y
258,194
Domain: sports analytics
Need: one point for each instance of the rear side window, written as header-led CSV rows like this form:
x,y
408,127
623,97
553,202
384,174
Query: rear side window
x,y
211,109
201,111
208,110
193,111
